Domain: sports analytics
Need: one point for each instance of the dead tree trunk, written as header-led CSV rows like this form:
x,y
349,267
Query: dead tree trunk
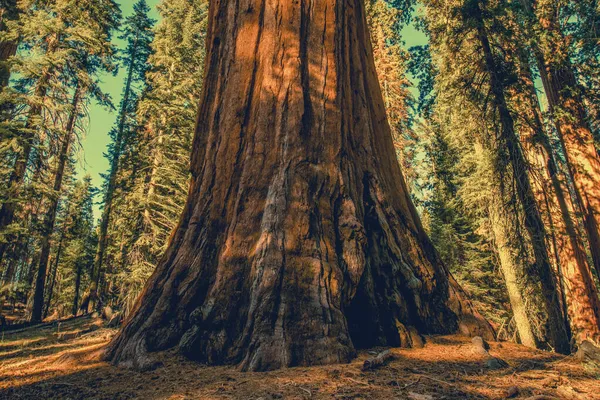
x,y
299,242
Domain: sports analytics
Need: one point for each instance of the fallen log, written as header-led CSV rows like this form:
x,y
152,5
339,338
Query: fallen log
x,y
9,330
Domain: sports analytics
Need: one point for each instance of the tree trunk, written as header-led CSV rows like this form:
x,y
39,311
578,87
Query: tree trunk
x,y
53,273
298,242
78,273
8,48
111,186
512,269
581,295
566,105
510,148
50,217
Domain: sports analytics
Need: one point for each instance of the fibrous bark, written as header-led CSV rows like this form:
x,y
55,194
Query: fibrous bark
x,y
8,48
565,102
580,292
299,242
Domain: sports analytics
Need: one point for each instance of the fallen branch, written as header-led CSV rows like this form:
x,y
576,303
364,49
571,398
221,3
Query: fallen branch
x,y
379,360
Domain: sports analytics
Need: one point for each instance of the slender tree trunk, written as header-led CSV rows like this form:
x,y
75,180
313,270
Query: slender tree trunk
x,y
566,105
299,242
50,217
581,295
54,272
110,189
509,144
78,273
8,48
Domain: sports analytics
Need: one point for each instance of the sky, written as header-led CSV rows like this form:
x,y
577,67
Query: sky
x,y
101,119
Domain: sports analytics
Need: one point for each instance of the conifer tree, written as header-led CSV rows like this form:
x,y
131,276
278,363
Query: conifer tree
x,y
166,117
469,26
138,34
8,46
89,42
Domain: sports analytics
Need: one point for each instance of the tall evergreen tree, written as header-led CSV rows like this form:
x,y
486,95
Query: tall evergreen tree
x,y
89,41
138,34
166,117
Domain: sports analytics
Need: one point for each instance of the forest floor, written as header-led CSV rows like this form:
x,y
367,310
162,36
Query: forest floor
x,y
63,362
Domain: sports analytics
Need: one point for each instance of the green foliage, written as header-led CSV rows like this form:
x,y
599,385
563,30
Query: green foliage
x,y
165,116
63,44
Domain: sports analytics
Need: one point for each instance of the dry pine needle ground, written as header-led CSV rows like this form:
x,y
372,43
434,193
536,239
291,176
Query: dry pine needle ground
x,y
63,362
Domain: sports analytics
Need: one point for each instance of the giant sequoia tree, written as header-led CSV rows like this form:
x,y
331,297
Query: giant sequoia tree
x,y
298,242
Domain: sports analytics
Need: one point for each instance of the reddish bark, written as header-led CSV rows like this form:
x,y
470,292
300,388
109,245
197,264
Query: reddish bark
x,y
299,241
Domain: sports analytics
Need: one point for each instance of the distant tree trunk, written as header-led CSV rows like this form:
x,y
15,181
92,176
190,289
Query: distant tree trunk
x,y
566,105
581,295
54,272
8,48
78,273
509,145
110,189
299,242
50,217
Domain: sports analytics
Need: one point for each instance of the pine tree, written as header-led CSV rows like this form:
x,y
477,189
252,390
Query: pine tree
x,y
89,42
485,76
166,118
138,34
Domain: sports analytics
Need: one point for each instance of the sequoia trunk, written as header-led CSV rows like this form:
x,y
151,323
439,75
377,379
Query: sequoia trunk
x,y
580,293
566,105
298,242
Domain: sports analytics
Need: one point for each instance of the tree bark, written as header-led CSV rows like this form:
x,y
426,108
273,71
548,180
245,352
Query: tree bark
x,y
298,242
580,292
50,217
513,271
53,274
510,148
78,273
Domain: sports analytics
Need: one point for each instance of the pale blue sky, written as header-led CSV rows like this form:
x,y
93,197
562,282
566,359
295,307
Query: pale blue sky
x,y
101,120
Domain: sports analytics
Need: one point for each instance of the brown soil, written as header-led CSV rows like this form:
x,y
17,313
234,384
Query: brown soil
x,y
62,362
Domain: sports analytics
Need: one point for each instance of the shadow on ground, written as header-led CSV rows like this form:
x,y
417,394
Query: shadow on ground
x,y
38,364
